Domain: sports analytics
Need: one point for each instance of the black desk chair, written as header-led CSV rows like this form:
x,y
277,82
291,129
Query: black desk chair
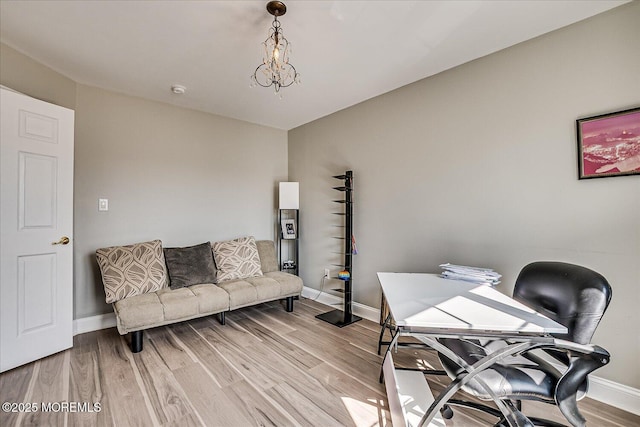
x,y
572,295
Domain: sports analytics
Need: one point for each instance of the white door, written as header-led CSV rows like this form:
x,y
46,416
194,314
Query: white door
x,y
36,272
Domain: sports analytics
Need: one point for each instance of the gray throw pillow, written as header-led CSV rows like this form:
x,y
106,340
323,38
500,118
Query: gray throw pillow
x,y
188,266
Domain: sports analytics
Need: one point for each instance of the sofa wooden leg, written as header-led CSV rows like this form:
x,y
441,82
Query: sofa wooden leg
x,y
221,318
289,304
136,342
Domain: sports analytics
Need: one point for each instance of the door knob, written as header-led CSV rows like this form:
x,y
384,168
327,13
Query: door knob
x,y
63,241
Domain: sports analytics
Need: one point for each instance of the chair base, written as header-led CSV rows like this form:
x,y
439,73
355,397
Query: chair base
x,y
496,413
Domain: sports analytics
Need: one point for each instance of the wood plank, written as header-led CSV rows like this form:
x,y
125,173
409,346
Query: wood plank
x,y
257,407
188,420
216,366
173,354
244,362
230,332
167,397
126,404
84,343
212,403
366,403
339,353
85,386
262,317
345,384
51,386
14,385
354,334
304,408
280,345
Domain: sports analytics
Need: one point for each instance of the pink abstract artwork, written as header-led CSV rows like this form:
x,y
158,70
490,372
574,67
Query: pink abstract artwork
x,y
609,145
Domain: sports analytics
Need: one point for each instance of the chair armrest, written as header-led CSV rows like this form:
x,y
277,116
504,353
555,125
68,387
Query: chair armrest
x,y
575,349
583,359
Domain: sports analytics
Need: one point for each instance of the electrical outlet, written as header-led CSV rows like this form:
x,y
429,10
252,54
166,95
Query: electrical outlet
x,y
327,272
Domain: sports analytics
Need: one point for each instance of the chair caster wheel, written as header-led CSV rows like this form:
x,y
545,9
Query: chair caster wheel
x,y
447,412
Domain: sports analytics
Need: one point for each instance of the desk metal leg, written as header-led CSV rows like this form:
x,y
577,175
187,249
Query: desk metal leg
x,y
385,325
513,417
392,343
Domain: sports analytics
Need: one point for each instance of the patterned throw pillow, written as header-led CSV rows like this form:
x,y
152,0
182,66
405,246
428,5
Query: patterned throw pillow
x,y
236,259
132,270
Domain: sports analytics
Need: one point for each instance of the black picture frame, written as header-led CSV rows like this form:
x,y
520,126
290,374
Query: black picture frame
x,y
609,144
288,229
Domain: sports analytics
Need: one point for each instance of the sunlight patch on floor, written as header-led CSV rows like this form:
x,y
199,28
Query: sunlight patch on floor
x,y
369,413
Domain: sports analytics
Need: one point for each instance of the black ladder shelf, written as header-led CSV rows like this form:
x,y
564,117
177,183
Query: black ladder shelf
x,y
345,317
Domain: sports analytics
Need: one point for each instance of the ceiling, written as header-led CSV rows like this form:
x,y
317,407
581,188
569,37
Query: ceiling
x,y
345,51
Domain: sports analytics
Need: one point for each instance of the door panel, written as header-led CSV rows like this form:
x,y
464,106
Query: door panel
x,y
36,292
39,127
36,186
37,195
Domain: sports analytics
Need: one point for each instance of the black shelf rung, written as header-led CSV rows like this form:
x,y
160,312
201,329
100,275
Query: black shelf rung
x,y
342,188
336,237
338,265
338,290
339,213
340,176
343,202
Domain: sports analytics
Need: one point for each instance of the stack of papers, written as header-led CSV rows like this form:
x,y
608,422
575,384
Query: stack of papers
x,y
483,276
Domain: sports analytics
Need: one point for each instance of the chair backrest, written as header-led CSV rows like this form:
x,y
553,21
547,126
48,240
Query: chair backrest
x,y
572,295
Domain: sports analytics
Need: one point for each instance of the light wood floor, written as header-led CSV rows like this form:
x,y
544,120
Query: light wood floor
x,y
265,367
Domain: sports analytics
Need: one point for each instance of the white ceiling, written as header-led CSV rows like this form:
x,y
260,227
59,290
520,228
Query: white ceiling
x,y
345,51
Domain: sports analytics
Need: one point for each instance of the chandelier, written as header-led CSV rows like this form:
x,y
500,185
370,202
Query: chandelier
x,y
275,69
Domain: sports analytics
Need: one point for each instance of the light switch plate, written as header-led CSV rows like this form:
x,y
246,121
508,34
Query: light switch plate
x,y
103,204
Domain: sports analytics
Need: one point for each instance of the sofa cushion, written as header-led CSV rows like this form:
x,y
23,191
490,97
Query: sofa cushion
x,y
132,270
178,303
289,283
268,257
266,288
211,298
236,259
241,293
192,265
139,311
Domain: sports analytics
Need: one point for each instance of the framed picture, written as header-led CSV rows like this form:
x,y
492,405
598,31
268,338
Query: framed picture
x,y
609,145
288,229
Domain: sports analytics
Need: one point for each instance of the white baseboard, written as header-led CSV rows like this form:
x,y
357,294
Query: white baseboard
x,y
619,395
93,323
615,394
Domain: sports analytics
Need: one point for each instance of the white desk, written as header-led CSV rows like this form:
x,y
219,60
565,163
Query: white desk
x,y
428,307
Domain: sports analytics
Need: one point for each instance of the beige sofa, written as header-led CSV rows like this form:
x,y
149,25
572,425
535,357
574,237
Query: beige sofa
x,y
136,282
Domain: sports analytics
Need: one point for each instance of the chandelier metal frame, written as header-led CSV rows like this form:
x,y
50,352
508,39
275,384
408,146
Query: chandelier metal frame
x,y
275,69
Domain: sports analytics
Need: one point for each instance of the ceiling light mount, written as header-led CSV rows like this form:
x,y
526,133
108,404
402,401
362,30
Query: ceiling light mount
x,y
276,8
178,89
275,69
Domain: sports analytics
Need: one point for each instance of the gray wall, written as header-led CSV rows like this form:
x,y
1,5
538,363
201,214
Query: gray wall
x,y
169,173
477,166
21,73
178,175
